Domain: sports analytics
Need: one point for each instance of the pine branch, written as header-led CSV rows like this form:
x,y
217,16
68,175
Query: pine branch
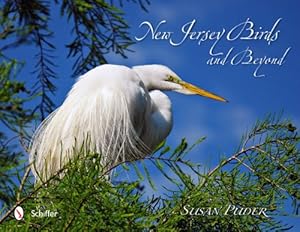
x,y
44,73
100,28
31,26
263,182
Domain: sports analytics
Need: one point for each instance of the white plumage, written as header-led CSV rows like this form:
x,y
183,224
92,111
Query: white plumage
x,y
112,110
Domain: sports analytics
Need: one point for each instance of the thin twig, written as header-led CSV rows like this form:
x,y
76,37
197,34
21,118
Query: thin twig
x,y
241,152
69,223
234,156
30,194
274,159
23,182
257,174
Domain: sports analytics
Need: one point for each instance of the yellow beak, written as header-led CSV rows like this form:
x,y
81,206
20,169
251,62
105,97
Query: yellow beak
x,y
192,89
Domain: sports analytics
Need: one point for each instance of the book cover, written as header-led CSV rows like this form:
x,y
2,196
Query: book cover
x,y
149,115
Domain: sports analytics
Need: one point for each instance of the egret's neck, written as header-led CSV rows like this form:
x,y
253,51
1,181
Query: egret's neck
x,y
146,77
159,122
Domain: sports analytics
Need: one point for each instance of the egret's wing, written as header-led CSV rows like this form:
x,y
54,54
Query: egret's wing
x,y
105,111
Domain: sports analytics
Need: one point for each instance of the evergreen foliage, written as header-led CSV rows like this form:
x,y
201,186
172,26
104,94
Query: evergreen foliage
x,y
262,173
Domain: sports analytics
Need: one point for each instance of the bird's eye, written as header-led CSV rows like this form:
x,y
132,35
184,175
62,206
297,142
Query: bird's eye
x,y
170,78
173,79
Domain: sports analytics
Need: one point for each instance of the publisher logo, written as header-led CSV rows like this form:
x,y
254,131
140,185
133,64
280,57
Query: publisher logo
x,y
41,211
19,213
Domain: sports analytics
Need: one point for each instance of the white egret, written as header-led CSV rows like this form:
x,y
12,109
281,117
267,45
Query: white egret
x,y
119,110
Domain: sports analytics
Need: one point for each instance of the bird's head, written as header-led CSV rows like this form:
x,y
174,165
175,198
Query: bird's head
x,y
160,77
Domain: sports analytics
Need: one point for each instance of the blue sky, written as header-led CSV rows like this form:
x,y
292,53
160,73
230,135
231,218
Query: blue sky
x,y
249,98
